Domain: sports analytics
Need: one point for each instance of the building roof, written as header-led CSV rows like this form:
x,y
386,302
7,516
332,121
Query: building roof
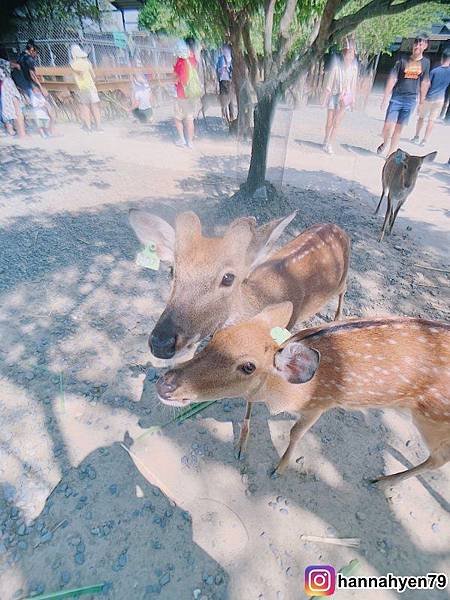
x,y
128,4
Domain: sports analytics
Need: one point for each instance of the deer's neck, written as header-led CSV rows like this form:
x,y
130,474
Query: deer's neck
x,y
279,395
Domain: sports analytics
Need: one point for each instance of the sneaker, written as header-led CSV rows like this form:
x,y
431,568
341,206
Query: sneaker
x,y
381,148
190,145
328,149
423,143
180,143
415,139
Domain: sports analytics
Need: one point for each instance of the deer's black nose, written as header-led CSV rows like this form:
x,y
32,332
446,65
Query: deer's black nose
x,y
162,347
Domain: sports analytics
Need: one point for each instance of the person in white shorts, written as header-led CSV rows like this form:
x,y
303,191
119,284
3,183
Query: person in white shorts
x,y
87,92
434,101
340,92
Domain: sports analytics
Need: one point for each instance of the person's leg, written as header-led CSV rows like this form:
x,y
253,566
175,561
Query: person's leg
x,y
95,110
338,116
328,125
434,113
85,116
419,126
395,138
180,131
52,116
390,123
189,123
428,130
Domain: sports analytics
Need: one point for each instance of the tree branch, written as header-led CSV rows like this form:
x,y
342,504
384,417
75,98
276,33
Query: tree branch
x,y
269,9
331,8
252,59
286,19
375,8
286,40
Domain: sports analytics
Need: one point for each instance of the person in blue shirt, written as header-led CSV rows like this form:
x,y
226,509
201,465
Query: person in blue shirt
x,y
435,98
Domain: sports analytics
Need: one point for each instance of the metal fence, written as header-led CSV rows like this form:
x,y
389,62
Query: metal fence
x,y
105,49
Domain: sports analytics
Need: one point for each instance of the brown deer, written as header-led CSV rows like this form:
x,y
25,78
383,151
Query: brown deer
x,y
228,278
401,363
399,177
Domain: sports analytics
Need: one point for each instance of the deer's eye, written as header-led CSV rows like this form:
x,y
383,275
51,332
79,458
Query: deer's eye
x,y
227,279
171,271
248,368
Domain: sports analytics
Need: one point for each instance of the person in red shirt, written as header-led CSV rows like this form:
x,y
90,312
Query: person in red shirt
x,y
185,108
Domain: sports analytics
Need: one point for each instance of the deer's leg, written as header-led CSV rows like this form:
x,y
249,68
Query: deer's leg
x,y
387,217
379,203
394,216
298,431
243,438
434,461
338,314
437,437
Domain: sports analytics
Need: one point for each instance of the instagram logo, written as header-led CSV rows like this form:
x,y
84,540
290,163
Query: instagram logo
x,y
320,580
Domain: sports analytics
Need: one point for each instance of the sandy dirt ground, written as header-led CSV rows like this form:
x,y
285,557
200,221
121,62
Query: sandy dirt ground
x,y
85,498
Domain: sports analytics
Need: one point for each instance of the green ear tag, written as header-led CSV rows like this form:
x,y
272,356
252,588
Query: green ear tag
x,y
280,335
148,257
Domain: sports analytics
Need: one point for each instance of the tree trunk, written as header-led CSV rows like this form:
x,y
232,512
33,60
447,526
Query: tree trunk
x,y
263,114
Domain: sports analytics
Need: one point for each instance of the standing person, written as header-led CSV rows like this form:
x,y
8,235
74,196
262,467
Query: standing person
x,y
87,92
27,77
435,98
224,71
188,91
11,102
340,93
409,79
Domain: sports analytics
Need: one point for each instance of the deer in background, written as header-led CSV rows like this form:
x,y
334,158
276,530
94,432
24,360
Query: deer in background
x,y
399,177
230,278
401,363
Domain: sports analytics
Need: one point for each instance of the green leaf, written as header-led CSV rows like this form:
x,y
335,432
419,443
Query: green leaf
x,y
91,589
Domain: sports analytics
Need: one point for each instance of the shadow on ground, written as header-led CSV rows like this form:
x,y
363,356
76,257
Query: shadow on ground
x,y
75,314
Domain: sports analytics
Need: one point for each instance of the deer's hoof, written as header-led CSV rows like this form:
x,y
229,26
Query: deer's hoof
x,y
239,454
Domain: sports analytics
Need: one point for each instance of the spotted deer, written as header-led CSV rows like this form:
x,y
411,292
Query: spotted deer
x,y
233,276
399,177
400,363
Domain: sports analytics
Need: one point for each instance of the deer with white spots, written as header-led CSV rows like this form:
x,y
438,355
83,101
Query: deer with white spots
x,y
231,277
399,177
398,363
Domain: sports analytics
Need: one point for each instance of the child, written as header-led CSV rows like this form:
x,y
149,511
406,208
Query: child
x,y
40,113
142,99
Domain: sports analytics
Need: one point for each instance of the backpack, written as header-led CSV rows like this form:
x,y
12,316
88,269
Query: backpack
x,y
193,88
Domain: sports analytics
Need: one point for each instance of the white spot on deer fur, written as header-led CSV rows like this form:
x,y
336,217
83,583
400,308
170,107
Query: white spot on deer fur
x,y
392,342
422,339
434,330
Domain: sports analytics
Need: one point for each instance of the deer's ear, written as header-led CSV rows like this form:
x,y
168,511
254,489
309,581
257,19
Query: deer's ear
x,y
297,363
152,229
429,157
265,238
188,228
